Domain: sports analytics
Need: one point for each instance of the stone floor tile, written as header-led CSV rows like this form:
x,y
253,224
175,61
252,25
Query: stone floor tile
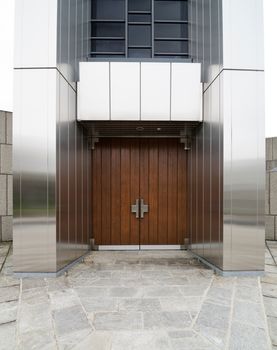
x,y
270,306
8,281
34,317
248,293
70,319
250,313
64,298
272,326
111,321
269,290
269,278
189,340
91,304
57,283
191,304
246,337
9,293
8,311
124,292
8,336
166,320
164,291
31,283
95,341
138,304
92,291
213,322
141,340
220,295
38,340
73,339
34,296
194,290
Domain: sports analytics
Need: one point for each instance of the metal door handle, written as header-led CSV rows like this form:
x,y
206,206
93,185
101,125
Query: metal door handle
x,y
135,208
143,208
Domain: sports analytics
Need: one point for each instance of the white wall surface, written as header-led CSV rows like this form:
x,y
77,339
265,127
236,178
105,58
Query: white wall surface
x,y
140,91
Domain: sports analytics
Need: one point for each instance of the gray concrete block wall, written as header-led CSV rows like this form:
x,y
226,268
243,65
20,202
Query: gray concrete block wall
x,y
6,204
271,189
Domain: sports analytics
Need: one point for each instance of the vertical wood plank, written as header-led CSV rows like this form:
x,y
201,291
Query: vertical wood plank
x,y
96,195
125,192
162,198
135,191
106,191
115,192
172,192
182,207
153,191
144,190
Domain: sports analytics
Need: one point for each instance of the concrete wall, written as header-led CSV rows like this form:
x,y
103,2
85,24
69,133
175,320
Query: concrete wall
x,y
6,206
271,189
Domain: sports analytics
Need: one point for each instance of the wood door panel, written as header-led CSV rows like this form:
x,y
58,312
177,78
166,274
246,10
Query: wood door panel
x,y
126,169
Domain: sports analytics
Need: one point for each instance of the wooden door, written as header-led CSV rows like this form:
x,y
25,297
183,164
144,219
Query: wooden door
x,y
124,170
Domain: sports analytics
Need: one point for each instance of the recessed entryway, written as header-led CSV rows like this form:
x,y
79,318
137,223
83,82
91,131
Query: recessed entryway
x,y
139,192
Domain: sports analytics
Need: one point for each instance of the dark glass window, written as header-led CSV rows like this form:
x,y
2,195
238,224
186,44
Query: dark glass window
x,y
132,28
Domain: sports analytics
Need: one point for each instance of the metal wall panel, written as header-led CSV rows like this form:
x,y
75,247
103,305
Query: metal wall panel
x,y
243,34
247,168
35,33
232,134
139,90
125,90
155,91
186,98
35,236
94,91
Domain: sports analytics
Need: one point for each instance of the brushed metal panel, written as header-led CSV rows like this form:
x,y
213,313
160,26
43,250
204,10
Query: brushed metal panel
x,y
34,236
207,38
215,172
186,91
247,251
63,37
94,91
225,82
36,20
125,90
245,37
207,175
155,91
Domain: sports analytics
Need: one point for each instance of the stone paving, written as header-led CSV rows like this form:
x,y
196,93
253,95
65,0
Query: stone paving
x,y
137,301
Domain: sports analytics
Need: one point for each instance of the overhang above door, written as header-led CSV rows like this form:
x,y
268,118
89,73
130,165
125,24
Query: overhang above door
x,y
147,91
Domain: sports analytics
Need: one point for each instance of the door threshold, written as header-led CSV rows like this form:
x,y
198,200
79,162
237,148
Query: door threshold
x,y
140,247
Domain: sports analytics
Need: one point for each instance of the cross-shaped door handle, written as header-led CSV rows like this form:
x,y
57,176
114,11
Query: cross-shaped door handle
x,y
139,208
143,208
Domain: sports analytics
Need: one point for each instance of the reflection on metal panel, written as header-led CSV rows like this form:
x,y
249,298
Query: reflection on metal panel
x,y
245,37
247,166
36,20
125,91
155,91
35,235
94,91
186,92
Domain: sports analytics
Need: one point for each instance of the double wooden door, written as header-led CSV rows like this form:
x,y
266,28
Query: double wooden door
x,y
128,170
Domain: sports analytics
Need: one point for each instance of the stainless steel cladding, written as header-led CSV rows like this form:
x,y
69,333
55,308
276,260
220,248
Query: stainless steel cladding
x,y
227,161
51,156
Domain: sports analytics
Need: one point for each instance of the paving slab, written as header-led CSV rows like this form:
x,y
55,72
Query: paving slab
x,y
161,300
